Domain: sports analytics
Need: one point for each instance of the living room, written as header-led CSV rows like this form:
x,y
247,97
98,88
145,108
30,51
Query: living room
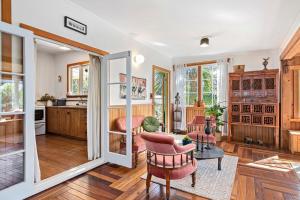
x,y
184,100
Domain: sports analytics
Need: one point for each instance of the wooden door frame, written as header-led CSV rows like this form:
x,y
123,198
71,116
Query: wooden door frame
x,y
168,72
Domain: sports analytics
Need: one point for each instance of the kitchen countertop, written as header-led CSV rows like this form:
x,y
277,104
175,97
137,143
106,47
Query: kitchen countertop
x,y
73,107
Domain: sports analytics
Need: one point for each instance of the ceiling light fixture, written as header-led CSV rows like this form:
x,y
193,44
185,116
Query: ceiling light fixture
x,y
139,59
204,42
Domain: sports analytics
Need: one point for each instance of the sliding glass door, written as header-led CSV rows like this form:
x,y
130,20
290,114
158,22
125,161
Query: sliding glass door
x,y
16,112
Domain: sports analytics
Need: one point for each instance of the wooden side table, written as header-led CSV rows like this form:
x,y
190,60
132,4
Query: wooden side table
x,y
294,141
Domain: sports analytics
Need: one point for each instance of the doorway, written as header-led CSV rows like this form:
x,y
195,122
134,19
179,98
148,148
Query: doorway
x,y
161,95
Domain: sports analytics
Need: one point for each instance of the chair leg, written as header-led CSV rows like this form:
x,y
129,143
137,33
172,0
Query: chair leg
x,y
148,182
167,185
193,179
136,158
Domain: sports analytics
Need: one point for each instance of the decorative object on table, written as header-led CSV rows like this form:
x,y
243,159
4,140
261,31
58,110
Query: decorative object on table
x,y
151,124
208,131
202,143
186,140
177,115
239,68
197,143
138,90
47,99
265,63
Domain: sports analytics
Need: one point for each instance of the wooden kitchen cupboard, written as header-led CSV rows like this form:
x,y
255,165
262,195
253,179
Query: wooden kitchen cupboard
x,y
71,122
253,107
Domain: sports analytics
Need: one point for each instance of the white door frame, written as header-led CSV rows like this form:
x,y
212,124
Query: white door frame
x,y
123,160
19,190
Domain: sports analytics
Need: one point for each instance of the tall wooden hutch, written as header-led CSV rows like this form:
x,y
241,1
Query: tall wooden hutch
x,y
253,106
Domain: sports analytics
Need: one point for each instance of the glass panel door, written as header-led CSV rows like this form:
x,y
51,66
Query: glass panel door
x,y
117,118
16,111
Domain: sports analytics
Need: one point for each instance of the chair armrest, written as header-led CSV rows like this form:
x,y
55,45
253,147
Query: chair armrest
x,y
184,149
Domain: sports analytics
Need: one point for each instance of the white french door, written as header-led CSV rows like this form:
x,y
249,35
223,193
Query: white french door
x,y
116,91
16,112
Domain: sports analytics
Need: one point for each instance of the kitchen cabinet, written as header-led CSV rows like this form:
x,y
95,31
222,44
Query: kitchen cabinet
x,y
67,121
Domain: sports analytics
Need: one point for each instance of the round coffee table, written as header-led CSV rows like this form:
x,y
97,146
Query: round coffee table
x,y
212,153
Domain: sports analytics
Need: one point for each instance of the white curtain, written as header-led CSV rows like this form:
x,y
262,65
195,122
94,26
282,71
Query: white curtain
x,y
93,109
222,91
179,86
37,170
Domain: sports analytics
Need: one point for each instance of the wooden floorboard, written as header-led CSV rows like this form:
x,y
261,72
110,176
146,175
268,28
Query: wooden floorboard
x,y
261,174
55,150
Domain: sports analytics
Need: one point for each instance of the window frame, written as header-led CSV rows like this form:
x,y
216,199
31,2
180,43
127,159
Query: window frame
x,y
200,79
197,81
81,66
213,92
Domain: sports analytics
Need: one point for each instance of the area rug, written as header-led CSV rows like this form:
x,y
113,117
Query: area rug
x,y
210,182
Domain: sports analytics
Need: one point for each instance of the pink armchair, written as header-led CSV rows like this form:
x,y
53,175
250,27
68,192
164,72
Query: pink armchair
x,y
167,160
138,144
197,126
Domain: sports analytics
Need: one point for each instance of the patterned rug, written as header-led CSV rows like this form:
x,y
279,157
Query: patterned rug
x,y
210,183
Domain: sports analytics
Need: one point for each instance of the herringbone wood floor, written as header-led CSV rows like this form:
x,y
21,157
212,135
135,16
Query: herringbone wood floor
x,y
261,174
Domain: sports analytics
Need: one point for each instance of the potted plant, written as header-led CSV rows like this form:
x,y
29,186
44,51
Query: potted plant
x,y
186,140
47,99
217,111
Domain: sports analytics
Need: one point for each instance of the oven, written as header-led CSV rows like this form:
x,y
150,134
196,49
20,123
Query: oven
x,y
40,120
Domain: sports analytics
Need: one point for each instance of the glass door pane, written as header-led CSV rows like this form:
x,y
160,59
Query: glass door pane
x,y
117,115
12,137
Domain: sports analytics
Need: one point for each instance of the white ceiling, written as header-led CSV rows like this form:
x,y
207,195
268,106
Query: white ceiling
x,y
175,27
49,47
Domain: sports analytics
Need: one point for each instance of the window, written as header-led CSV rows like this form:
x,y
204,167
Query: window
x,y
11,94
78,77
191,86
209,74
207,88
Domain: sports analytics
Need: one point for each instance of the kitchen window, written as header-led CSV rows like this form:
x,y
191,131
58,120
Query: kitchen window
x,y
78,78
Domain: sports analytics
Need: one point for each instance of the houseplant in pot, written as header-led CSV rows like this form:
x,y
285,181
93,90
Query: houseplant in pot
x,y
186,140
217,112
47,99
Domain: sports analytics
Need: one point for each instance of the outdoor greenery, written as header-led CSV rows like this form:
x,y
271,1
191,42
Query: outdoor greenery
x,y
217,111
10,100
159,78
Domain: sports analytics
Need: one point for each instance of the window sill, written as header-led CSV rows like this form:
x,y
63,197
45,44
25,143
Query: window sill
x,y
76,96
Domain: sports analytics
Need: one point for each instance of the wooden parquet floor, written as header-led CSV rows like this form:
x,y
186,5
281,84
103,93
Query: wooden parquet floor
x,y
261,174
55,150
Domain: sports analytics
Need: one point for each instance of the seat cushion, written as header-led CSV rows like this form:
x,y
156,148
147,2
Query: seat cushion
x,y
177,173
193,136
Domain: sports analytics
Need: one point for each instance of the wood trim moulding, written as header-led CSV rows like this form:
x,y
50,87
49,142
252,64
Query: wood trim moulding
x,y
57,38
6,11
292,48
201,63
291,64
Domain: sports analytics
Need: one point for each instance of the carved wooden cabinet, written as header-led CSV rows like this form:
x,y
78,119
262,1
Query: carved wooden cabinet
x,y
67,121
253,106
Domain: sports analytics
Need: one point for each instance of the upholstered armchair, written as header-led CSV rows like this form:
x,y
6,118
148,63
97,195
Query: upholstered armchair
x,y
138,144
197,126
167,160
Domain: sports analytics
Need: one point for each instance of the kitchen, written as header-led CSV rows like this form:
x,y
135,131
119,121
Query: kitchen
x,y
61,107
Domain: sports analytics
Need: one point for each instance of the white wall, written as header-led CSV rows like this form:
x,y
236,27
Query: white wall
x,y
61,62
252,59
45,74
49,16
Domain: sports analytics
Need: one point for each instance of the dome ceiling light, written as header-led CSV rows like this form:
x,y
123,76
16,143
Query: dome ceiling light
x,y
204,42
